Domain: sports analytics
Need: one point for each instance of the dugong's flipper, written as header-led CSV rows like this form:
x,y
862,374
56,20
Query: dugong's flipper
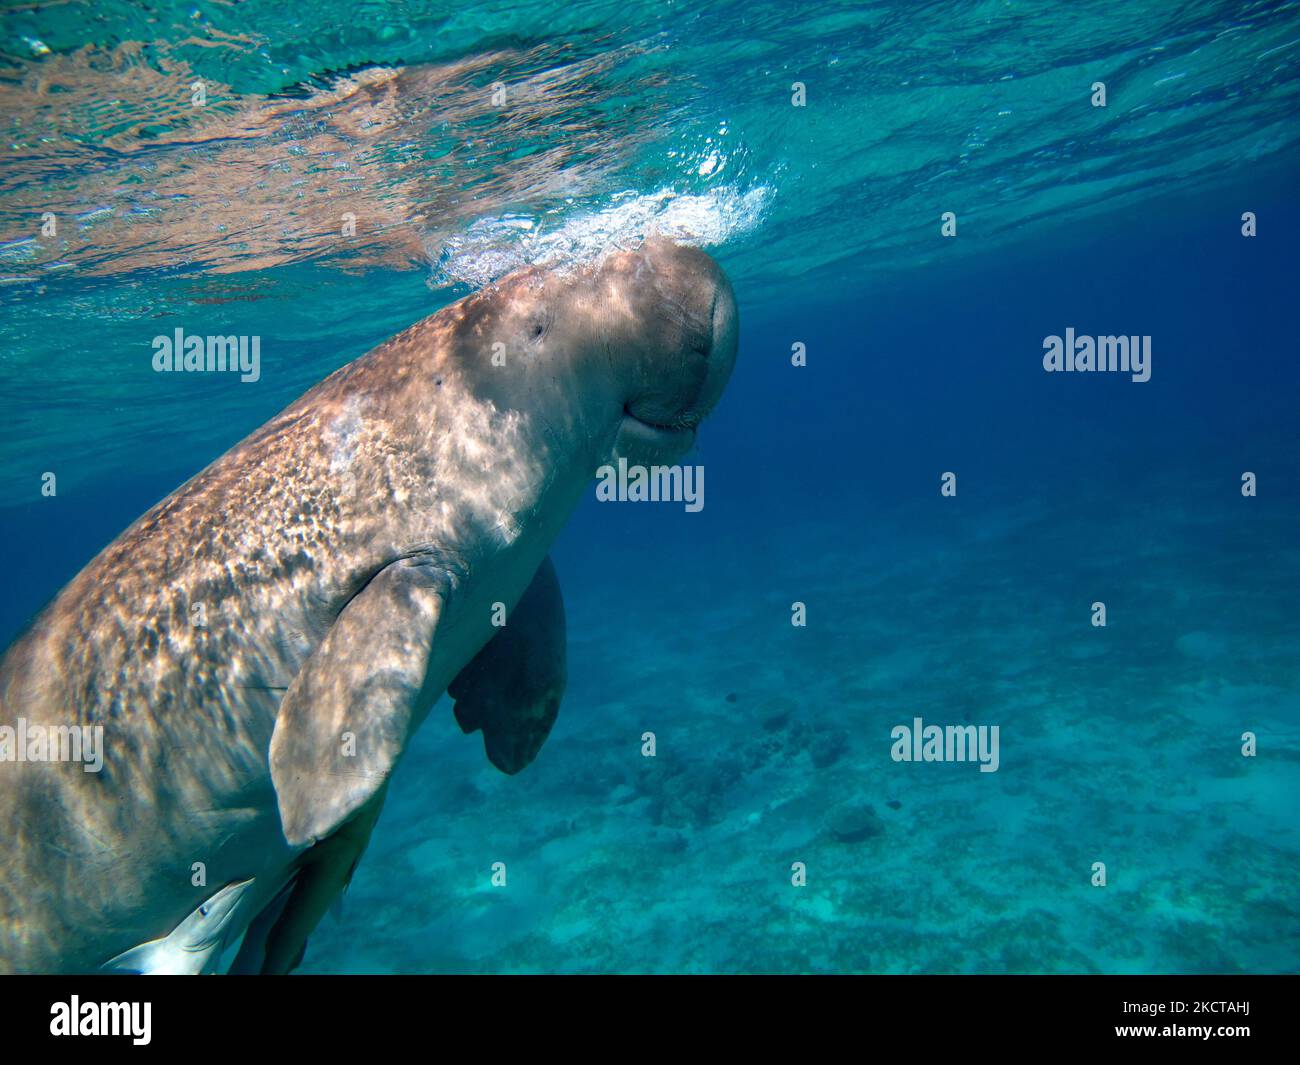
x,y
194,946
512,688
252,951
340,730
345,719
277,938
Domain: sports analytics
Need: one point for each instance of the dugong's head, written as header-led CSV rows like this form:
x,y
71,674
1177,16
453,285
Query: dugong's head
x,y
634,351
670,320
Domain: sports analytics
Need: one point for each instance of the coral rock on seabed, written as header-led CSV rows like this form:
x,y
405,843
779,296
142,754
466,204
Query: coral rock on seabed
x,y
854,822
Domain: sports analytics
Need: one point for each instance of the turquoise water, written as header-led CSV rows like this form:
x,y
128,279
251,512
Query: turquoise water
x,y
1119,744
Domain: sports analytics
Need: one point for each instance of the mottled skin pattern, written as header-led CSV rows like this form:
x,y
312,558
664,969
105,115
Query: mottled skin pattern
x,y
420,458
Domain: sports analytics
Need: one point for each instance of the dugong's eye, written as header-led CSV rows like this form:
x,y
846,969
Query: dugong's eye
x,y
541,322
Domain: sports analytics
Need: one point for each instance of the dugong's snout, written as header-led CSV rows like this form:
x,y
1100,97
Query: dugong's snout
x,y
723,341
685,309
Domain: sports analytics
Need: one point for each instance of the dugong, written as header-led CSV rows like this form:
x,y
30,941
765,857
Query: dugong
x,y
261,645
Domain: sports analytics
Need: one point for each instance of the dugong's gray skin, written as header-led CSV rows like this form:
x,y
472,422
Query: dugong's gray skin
x,y
344,561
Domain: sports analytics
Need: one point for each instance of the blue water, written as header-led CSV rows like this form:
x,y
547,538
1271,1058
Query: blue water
x,y
1119,744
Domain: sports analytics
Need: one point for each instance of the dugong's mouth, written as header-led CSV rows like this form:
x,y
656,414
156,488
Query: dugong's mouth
x,y
639,435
